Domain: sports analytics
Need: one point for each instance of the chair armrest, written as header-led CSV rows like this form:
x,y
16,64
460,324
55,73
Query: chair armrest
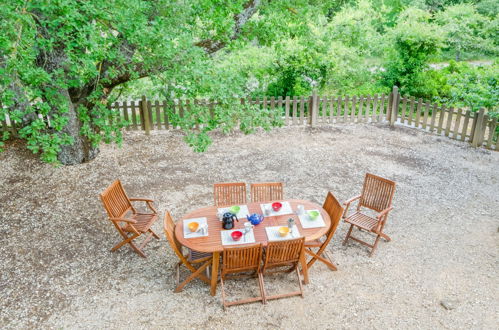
x,y
123,220
148,202
141,199
384,212
347,204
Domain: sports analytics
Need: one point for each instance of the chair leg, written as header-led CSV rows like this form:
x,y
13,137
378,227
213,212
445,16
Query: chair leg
x,y
348,235
223,291
375,245
315,256
262,288
386,237
299,281
127,239
139,251
154,234
192,276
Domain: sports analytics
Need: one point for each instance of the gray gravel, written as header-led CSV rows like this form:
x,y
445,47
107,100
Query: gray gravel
x,y
57,271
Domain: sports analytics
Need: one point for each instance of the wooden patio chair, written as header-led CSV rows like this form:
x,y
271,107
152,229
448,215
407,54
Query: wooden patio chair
x,y
279,254
129,223
377,195
187,260
266,192
335,211
237,260
228,194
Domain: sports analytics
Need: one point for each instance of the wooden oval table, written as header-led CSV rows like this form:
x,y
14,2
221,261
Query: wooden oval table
x,y
213,242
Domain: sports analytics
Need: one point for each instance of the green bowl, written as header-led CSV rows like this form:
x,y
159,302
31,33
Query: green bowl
x,y
235,209
313,215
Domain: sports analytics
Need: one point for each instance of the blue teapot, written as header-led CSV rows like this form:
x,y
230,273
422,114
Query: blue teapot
x,y
255,218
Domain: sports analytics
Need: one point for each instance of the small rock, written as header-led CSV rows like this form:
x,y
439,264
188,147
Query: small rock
x,y
449,304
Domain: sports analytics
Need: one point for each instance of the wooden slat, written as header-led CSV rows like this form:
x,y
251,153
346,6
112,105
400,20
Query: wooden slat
x,y
165,107
382,108
404,108
441,120
457,124
411,112
418,112
449,121
125,114
302,110
149,110
279,105
426,113
286,111
434,112
464,131
492,130
158,114
324,109
345,108
295,110
361,109
134,107
331,109
353,109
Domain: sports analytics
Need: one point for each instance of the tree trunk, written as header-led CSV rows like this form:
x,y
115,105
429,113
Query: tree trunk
x,y
81,150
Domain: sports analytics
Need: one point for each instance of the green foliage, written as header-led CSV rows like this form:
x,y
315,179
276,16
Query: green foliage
x,y
412,41
466,30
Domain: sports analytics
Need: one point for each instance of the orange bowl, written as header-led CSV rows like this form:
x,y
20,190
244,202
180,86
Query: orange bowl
x,y
193,226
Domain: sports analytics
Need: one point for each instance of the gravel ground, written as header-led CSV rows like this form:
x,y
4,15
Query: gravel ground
x,y
439,271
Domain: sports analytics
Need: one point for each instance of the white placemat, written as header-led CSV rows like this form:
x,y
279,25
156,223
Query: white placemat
x,y
273,233
188,233
285,209
306,222
246,239
243,212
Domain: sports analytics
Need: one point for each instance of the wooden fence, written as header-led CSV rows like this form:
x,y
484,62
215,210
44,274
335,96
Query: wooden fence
x,y
477,128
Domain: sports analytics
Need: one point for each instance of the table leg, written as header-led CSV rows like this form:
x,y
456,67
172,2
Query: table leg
x,y
214,272
304,268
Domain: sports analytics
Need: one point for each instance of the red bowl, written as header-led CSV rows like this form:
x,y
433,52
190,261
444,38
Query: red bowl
x,y
276,206
236,235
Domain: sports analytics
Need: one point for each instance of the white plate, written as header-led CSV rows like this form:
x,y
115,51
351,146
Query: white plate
x,y
285,209
246,239
188,233
273,234
306,222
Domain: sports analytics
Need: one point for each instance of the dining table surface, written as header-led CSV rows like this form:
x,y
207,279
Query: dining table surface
x,y
212,242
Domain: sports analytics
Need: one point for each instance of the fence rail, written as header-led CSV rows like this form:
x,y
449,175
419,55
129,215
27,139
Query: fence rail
x,y
477,128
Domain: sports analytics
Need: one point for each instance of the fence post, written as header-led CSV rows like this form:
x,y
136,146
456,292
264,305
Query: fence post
x,y
478,129
395,106
145,115
313,109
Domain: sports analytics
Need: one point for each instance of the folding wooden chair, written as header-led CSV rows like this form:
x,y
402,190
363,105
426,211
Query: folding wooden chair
x,y
377,194
239,260
266,192
228,194
125,217
186,260
335,211
279,254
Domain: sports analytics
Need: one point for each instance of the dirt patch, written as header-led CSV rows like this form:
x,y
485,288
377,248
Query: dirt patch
x,y
57,271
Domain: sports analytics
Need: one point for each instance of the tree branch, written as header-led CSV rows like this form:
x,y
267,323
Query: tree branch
x,y
212,46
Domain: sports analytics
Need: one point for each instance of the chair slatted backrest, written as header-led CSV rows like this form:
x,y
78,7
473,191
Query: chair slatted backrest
x,y
377,193
266,191
283,252
227,194
239,259
115,200
169,228
335,212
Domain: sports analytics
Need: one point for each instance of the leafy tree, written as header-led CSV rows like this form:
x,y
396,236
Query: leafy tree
x,y
412,41
465,29
63,58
